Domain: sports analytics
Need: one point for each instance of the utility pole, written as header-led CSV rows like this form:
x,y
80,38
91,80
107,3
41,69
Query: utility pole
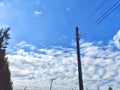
x,y
98,88
79,61
52,82
25,88
86,88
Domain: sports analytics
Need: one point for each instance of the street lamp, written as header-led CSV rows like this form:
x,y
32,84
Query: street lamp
x,y
52,82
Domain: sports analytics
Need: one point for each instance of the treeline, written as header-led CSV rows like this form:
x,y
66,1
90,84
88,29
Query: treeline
x,y
5,79
110,88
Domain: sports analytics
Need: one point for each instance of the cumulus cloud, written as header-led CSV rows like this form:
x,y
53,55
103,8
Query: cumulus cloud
x,y
116,39
100,66
24,44
42,66
38,13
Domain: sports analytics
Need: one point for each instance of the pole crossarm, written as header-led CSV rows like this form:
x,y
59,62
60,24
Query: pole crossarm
x,y
52,82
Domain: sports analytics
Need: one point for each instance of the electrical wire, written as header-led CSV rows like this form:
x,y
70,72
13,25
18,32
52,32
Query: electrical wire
x,y
99,20
103,17
92,14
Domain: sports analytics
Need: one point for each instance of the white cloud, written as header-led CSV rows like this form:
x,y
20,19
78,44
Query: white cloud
x,y
41,66
38,12
24,44
116,39
100,65
1,4
3,26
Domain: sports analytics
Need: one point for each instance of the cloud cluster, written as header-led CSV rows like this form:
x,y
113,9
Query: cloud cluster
x,y
100,64
116,39
23,44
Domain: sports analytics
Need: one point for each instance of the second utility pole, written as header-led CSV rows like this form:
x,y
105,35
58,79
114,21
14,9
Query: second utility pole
x,y
79,61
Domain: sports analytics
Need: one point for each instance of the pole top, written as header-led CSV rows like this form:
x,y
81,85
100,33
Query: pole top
x,y
76,30
76,27
53,79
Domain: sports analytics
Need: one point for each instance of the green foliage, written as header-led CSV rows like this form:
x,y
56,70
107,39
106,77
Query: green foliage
x,y
110,88
5,80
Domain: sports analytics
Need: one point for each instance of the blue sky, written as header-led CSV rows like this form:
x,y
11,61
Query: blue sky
x,y
53,23
44,29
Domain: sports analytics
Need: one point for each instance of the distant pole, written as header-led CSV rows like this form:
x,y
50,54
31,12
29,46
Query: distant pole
x,y
79,61
86,88
75,88
98,88
25,88
52,82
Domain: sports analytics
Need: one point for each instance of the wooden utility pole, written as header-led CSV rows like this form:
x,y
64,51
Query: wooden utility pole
x,y
79,61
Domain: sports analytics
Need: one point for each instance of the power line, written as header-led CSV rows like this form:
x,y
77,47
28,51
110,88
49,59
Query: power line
x,y
92,14
103,17
99,20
